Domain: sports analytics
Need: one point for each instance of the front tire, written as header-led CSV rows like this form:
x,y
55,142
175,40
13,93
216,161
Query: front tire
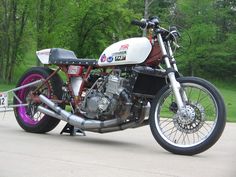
x,y
27,116
200,130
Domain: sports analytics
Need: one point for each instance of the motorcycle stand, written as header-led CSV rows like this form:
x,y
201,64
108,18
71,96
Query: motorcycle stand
x,y
72,130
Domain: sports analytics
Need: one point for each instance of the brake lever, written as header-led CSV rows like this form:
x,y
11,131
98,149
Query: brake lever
x,y
176,45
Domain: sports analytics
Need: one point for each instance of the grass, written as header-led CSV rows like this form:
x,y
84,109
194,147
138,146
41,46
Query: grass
x,y
230,102
228,91
5,87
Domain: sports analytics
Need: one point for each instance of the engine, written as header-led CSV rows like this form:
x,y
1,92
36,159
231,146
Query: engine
x,y
108,97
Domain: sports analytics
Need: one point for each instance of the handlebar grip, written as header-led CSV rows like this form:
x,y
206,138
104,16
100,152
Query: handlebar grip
x,y
139,23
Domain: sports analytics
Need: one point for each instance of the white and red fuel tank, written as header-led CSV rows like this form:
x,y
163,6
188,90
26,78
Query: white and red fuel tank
x,y
126,52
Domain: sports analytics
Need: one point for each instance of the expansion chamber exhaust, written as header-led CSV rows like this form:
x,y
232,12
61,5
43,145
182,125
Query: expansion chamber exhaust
x,y
89,125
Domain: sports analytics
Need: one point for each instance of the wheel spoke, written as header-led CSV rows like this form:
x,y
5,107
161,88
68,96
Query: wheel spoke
x,y
180,137
193,138
199,137
205,128
188,139
169,135
199,95
208,125
202,133
203,98
189,94
174,139
184,136
167,130
168,122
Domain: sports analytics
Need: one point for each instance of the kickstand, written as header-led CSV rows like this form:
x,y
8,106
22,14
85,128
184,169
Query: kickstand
x,y
72,130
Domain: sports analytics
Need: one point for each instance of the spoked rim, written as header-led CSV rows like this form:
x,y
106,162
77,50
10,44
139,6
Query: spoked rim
x,y
24,96
200,124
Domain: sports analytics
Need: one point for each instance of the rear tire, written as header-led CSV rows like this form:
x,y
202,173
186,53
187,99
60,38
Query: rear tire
x,y
203,128
26,116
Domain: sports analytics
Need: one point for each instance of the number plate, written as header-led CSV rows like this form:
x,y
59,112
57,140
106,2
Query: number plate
x,y
3,100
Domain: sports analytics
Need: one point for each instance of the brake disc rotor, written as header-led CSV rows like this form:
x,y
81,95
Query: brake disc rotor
x,y
193,121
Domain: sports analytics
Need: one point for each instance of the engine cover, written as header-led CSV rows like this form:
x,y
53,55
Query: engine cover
x,y
109,101
97,104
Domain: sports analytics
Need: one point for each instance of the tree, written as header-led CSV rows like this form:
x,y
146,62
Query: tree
x,y
13,25
94,25
147,4
47,14
196,17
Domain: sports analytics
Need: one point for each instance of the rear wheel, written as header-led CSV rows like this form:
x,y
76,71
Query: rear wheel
x,y
27,116
199,129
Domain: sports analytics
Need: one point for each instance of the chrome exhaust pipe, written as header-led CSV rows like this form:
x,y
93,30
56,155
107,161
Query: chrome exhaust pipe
x,y
100,130
120,127
50,113
73,119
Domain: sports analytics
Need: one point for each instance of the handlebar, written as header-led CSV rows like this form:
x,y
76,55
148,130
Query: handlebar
x,y
153,23
142,24
171,34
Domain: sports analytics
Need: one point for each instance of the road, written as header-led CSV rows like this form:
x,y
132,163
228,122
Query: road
x,y
130,153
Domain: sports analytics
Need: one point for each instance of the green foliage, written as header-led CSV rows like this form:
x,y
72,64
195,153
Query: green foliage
x,y
90,34
88,27
210,25
13,20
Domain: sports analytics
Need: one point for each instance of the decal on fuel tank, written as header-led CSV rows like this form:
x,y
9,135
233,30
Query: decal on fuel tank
x,y
110,59
120,56
124,47
103,58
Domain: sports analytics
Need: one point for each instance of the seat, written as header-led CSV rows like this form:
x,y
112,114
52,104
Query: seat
x,y
67,57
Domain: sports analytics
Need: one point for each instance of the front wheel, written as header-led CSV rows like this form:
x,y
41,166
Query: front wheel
x,y
200,129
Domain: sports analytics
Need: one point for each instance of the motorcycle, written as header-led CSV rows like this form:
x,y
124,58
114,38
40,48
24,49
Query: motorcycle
x,y
134,83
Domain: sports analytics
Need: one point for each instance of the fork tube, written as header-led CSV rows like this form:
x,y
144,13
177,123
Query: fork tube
x,y
172,56
171,75
183,93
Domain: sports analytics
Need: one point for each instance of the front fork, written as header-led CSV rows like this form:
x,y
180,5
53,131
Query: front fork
x,y
171,75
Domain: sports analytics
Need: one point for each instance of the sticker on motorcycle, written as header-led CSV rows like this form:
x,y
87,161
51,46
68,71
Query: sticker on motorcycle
x,y
3,100
120,56
103,58
124,47
110,59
